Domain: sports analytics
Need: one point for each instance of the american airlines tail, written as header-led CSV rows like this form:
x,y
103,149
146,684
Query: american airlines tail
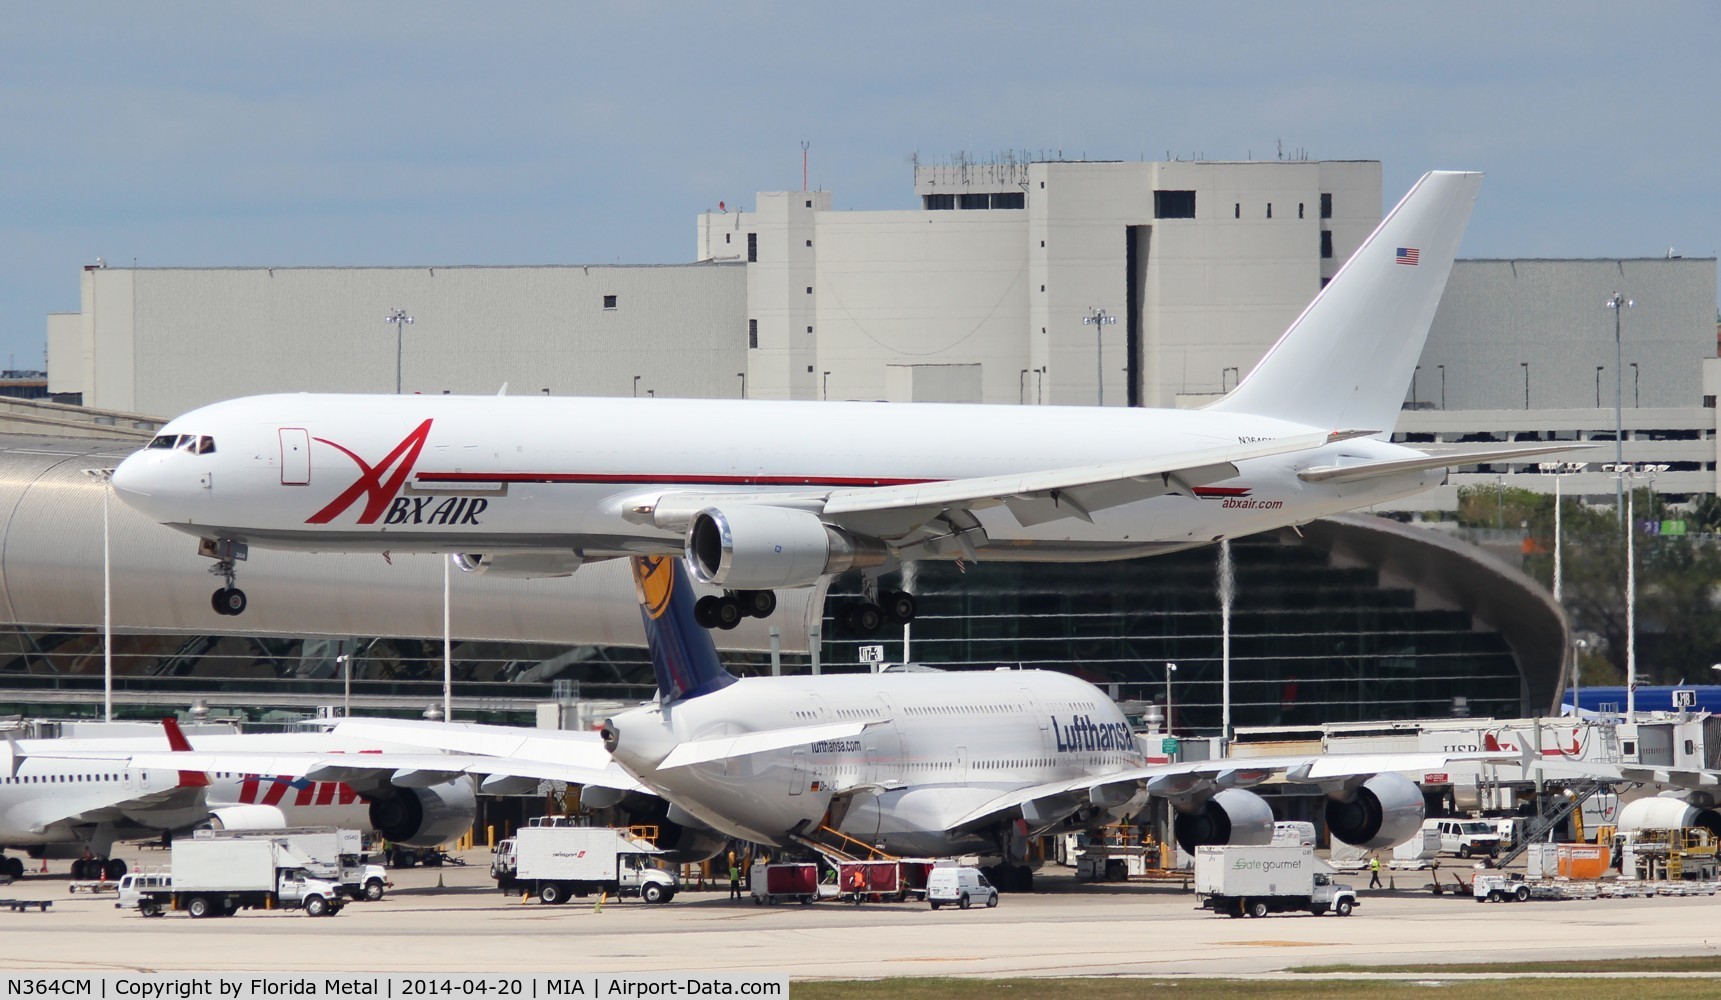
x,y
1346,363
683,657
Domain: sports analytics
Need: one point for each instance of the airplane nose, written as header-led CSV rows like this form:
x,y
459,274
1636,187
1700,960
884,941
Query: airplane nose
x,y
128,477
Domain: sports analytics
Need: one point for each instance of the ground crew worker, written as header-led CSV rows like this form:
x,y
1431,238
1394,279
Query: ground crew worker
x,y
735,879
1374,872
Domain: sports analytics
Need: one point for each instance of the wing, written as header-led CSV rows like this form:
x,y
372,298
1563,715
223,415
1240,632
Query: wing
x,y
1443,460
740,745
895,512
1195,778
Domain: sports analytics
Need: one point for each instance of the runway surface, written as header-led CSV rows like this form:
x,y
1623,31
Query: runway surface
x,y
467,926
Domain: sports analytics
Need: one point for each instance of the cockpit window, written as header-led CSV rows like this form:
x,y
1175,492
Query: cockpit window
x,y
197,444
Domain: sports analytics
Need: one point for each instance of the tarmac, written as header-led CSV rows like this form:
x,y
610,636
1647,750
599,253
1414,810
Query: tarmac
x,y
453,920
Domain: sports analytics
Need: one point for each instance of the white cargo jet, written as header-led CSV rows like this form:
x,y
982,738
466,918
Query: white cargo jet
x,y
759,495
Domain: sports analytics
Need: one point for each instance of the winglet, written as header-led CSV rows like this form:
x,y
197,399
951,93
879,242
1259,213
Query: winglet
x,y
177,743
683,657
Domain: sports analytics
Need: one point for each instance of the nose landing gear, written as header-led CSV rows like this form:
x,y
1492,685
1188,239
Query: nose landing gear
x,y
229,599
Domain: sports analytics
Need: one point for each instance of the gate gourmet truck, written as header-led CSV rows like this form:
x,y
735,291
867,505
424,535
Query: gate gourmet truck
x,y
330,853
557,862
1256,881
218,877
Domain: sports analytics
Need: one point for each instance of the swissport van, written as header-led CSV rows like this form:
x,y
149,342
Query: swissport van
x,y
962,886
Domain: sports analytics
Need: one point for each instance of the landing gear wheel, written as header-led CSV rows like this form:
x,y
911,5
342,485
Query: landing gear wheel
x,y
757,603
77,871
114,870
705,612
228,601
899,607
12,867
727,611
864,619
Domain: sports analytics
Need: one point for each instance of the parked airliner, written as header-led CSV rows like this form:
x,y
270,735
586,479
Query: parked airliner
x,y
51,801
759,495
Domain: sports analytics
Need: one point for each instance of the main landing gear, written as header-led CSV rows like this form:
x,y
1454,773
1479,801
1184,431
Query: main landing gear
x,y
877,609
228,600
727,611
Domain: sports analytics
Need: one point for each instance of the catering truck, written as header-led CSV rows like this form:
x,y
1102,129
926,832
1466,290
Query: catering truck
x,y
219,876
557,862
1256,881
331,853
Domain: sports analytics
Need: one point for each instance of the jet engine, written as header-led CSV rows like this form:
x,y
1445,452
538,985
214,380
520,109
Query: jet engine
x,y
519,565
1233,816
424,817
762,548
247,818
1385,811
1666,812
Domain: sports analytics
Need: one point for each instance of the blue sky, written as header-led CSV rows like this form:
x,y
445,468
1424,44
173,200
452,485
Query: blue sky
x,y
199,134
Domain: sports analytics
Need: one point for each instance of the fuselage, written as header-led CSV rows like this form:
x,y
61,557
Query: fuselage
x,y
487,473
942,744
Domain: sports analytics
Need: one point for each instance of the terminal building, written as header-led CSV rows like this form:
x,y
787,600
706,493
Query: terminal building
x,y
1011,282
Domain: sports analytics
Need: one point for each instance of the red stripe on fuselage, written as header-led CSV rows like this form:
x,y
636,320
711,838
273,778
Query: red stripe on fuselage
x,y
277,791
325,792
635,479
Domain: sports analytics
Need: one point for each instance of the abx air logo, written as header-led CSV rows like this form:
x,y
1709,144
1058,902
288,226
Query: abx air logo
x,y
377,491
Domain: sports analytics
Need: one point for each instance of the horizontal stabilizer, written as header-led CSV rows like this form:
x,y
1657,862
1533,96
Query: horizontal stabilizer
x,y
724,747
1444,460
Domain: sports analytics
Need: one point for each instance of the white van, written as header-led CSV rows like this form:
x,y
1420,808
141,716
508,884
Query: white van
x,y
962,886
133,884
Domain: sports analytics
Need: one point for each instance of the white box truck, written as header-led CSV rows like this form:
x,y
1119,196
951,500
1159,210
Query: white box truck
x,y
218,877
1256,881
330,853
555,863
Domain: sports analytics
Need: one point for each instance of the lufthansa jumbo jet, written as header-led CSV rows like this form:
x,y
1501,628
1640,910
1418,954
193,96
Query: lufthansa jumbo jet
x,y
758,495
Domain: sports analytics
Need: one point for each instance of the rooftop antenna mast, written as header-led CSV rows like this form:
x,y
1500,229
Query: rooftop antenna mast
x,y
804,145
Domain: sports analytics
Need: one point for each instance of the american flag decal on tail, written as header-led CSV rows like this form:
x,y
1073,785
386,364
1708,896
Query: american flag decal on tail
x,y
1409,255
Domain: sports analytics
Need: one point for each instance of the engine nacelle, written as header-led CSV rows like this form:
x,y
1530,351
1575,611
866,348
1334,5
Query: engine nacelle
x,y
762,548
1233,816
519,565
1384,812
1665,812
425,817
247,818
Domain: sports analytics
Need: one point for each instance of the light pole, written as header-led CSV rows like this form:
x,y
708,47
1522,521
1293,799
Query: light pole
x,y
1559,470
636,387
1636,398
401,321
1442,385
105,478
1578,647
1227,594
1526,366
346,665
826,391
1170,668
1618,303
1040,386
1598,385
1099,320
1621,473
743,377
1022,389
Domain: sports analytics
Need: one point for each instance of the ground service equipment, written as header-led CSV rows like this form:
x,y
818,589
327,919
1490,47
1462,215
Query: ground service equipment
x,y
218,877
795,881
1256,881
330,853
557,862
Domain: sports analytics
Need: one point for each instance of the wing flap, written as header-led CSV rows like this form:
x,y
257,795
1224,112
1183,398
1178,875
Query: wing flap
x,y
1444,460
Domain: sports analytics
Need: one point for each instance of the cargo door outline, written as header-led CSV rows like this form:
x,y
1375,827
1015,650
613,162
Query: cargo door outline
x,y
798,772
295,456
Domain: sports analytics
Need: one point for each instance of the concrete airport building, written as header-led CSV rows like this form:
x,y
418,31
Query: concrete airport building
x,y
986,293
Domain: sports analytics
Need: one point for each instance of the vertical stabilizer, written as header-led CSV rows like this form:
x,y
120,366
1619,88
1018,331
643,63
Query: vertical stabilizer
x,y
1346,363
177,743
683,657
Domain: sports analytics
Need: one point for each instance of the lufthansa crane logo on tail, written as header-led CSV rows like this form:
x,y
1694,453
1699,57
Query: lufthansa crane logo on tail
x,y
371,485
654,578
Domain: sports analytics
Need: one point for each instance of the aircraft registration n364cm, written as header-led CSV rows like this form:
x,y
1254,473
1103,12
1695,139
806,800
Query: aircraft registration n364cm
x,y
800,490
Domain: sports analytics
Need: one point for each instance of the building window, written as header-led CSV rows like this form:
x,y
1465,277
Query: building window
x,y
809,243
1299,209
809,203
1010,199
752,333
1269,210
809,329
1326,206
1237,210
1174,204
1326,244
752,248
609,302
974,201
938,202
726,237
809,289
